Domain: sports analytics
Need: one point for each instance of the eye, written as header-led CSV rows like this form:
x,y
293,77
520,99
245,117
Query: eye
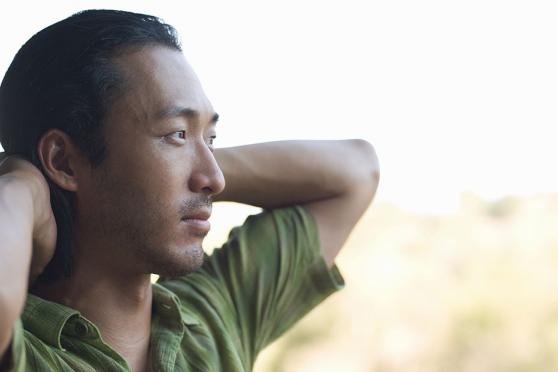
x,y
178,136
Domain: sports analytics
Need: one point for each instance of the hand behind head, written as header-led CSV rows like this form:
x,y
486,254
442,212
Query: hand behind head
x,y
44,224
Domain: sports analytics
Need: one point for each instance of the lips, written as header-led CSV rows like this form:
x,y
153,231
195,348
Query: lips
x,y
201,214
198,220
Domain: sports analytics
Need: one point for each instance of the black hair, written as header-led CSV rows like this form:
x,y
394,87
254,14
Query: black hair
x,y
63,78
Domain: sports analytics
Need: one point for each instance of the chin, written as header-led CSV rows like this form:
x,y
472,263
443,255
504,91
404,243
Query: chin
x,y
179,262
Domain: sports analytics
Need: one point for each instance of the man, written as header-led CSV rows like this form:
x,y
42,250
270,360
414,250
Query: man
x,y
110,176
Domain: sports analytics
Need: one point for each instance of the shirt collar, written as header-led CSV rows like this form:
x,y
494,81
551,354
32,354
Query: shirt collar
x,y
46,319
165,300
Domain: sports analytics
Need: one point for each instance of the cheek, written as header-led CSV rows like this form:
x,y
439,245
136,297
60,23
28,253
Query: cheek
x,y
151,172
159,162
149,195
150,178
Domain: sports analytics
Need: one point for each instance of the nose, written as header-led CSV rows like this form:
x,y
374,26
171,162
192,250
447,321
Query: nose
x,y
206,176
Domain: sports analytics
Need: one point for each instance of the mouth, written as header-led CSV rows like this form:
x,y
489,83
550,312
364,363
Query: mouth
x,y
198,220
198,214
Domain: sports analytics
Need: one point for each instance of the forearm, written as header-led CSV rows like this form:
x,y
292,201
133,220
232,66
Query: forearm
x,y
282,173
16,229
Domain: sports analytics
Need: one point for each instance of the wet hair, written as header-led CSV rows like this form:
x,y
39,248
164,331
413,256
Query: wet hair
x,y
64,78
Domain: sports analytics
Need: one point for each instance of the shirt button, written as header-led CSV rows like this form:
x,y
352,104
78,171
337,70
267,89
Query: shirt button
x,y
80,329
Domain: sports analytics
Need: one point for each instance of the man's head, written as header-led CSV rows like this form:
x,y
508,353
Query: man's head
x,y
106,106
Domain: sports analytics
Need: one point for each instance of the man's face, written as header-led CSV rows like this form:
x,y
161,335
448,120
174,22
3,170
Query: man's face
x,y
160,172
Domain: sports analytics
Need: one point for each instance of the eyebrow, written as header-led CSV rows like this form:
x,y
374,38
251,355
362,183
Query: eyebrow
x,y
176,111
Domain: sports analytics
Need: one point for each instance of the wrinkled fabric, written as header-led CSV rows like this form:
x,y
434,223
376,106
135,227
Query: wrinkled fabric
x,y
267,276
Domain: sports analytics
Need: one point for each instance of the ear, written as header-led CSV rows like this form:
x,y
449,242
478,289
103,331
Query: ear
x,y
59,158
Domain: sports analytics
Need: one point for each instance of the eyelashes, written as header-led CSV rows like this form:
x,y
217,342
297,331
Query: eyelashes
x,y
180,137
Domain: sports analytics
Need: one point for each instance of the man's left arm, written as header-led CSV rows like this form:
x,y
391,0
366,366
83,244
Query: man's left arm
x,y
335,180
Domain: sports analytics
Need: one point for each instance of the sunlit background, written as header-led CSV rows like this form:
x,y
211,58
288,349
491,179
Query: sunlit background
x,y
453,268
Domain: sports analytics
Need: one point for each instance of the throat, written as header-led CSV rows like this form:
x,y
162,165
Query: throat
x,y
121,310
138,357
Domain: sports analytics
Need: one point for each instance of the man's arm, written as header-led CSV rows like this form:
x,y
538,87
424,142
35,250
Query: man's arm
x,y
335,180
27,236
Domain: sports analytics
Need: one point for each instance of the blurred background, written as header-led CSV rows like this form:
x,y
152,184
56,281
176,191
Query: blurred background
x,y
453,267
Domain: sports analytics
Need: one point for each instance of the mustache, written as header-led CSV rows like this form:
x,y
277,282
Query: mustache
x,y
196,203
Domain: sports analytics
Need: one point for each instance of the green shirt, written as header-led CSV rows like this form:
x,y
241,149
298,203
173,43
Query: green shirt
x,y
268,275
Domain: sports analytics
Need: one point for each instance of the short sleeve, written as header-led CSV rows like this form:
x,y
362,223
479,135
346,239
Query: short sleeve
x,y
268,275
16,352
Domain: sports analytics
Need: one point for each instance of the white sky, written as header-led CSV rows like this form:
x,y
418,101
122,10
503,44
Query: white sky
x,y
455,95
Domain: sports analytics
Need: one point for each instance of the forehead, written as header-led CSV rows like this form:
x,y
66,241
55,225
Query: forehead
x,y
158,77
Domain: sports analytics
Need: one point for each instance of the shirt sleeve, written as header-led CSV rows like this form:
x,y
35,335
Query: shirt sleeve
x,y
269,274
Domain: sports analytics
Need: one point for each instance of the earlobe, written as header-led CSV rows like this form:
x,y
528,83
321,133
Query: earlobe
x,y
58,156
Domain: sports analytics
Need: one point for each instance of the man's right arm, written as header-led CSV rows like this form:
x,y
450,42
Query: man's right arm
x,y
27,238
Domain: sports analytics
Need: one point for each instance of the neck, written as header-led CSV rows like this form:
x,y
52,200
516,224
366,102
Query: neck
x,y
117,302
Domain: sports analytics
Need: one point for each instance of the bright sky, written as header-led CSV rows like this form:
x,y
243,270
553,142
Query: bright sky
x,y
455,95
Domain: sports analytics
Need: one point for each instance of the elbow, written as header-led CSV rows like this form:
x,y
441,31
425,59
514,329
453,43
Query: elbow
x,y
364,169
367,159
